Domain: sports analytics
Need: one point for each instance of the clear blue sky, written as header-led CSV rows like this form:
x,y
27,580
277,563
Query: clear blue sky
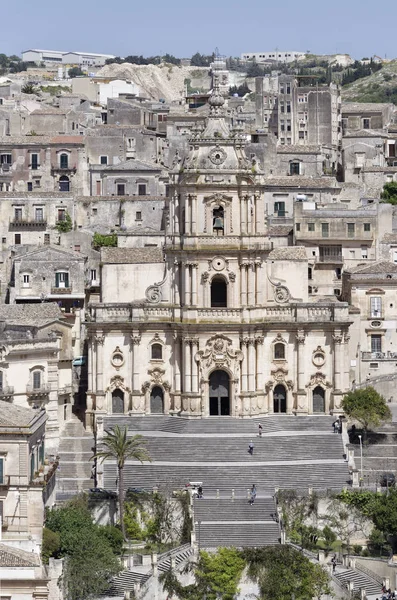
x,y
183,27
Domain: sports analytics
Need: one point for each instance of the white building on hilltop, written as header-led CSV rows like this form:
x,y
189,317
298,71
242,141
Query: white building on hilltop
x,y
213,321
284,56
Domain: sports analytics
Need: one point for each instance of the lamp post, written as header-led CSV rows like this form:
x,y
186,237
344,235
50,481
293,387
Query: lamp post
x,y
361,455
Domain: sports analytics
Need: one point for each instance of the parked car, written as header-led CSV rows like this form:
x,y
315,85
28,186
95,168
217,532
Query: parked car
x,y
136,490
387,479
101,493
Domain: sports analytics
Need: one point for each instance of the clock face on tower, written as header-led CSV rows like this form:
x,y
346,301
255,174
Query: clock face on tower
x,y
217,156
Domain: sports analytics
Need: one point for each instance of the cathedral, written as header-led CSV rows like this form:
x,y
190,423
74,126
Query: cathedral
x,y
208,317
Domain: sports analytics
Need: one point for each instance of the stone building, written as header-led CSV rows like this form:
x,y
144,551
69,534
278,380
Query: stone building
x,y
336,237
48,164
22,442
215,322
36,360
370,290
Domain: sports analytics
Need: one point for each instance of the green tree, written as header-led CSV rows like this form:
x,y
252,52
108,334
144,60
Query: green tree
x,y
51,544
29,88
100,240
201,60
389,193
254,70
75,72
90,561
367,407
216,577
329,538
169,58
65,225
283,572
118,446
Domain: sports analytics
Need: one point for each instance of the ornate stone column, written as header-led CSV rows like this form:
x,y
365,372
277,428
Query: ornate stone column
x,y
258,214
99,341
249,215
176,212
244,366
187,215
252,209
89,366
243,226
194,284
338,360
259,363
258,283
193,200
251,365
194,350
300,338
177,366
187,365
135,340
187,285
176,283
346,362
251,284
205,288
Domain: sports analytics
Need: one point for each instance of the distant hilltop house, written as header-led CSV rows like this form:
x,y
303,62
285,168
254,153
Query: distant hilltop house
x,y
275,55
85,59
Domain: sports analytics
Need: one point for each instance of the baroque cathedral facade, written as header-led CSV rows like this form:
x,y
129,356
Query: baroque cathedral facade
x,y
213,320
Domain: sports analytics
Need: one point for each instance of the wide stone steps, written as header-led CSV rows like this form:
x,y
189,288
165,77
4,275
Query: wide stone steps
x,y
179,556
273,423
360,580
239,509
240,535
231,448
333,475
125,581
76,447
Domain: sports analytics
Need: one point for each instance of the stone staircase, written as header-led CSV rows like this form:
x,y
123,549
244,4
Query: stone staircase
x,y
126,581
293,453
227,522
359,580
75,450
379,454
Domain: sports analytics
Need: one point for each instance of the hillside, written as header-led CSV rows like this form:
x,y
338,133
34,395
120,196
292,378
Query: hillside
x,y
160,81
378,87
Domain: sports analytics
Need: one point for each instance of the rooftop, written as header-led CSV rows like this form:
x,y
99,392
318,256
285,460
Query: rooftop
x,y
12,415
131,255
15,557
302,182
360,107
134,165
288,253
30,314
376,268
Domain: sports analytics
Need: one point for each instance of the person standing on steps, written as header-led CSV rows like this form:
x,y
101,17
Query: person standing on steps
x,y
252,494
260,430
333,563
251,448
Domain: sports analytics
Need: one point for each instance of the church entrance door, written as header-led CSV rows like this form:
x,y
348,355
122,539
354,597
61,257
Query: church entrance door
x,y
157,400
219,385
117,401
279,399
318,400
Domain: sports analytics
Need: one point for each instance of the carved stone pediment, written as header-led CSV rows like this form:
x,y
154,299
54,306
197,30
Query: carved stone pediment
x,y
318,379
219,353
117,382
279,376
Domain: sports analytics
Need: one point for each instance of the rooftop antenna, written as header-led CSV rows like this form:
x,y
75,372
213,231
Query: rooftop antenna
x,y
217,55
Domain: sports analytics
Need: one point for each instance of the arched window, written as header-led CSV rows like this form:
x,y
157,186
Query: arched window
x,y
64,161
36,380
157,352
218,220
64,184
279,351
218,293
279,399
318,399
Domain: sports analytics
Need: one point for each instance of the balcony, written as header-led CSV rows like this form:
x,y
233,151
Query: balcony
x,y
58,170
379,356
4,482
6,391
59,291
17,224
42,390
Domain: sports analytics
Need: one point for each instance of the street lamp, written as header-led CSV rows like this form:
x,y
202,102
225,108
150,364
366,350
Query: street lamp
x,y
361,454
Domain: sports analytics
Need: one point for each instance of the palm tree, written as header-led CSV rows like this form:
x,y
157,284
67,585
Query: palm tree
x,y
117,445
